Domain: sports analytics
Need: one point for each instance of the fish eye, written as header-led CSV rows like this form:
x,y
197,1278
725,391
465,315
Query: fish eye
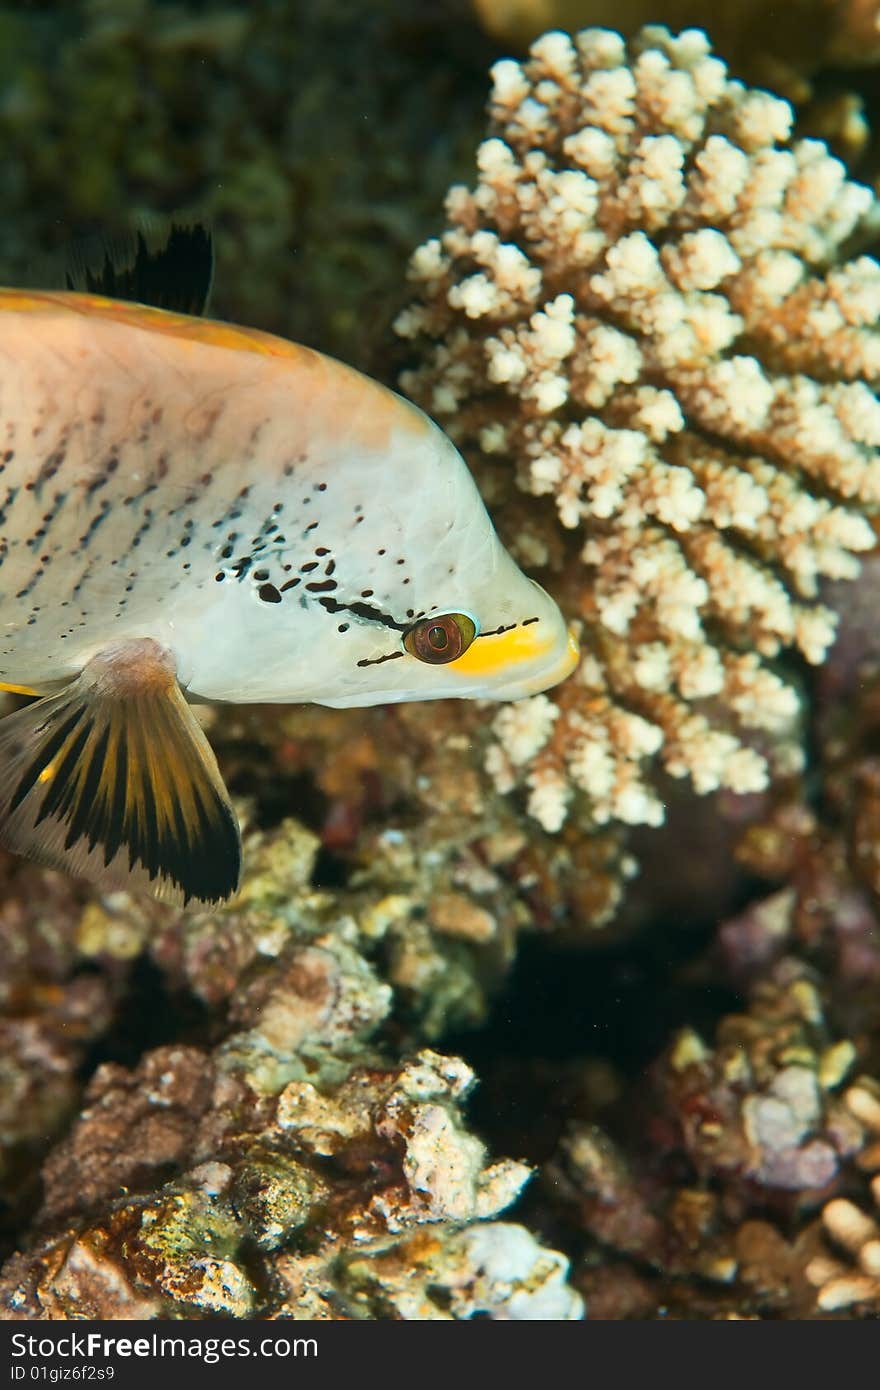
x,y
440,638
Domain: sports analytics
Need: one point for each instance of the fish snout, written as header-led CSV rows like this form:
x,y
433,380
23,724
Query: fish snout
x,y
557,667
521,661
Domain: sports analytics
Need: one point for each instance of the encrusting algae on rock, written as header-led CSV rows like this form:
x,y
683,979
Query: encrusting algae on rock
x,y
360,1198
646,310
316,1161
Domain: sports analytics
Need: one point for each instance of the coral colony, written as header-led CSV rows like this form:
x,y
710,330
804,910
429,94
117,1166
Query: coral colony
x,y
645,309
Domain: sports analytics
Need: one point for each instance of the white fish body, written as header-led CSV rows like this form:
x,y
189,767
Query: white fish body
x,y
272,517
191,507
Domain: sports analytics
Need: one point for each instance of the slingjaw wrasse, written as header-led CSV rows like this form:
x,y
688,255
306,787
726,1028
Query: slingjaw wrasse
x,y
194,511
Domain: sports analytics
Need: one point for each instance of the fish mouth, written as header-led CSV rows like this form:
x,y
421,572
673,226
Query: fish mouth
x,y
519,663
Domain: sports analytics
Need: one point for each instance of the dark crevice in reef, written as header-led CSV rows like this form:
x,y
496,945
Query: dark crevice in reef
x,y
150,1016
620,1005
274,796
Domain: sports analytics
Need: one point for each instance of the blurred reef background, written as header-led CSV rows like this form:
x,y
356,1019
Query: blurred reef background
x,y
573,1008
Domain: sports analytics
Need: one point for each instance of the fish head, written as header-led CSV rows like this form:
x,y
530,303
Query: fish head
x,y
375,574
447,612
505,646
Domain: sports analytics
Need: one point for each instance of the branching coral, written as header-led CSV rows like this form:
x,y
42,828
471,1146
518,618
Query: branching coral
x,y
781,42
645,307
855,1278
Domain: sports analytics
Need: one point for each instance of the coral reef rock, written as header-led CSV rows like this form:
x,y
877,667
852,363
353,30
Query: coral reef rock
x,y
645,310
296,1169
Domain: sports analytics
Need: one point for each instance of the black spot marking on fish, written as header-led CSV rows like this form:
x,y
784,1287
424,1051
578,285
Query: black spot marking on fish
x,y
261,574
343,627
142,529
11,494
269,594
134,497
291,584
308,566
499,631
47,520
322,587
51,464
526,621
377,660
219,576
361,610
320,487
208,422
110,467
189,501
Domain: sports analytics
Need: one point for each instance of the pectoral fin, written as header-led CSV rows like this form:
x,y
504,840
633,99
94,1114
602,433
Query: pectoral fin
x,y
113,779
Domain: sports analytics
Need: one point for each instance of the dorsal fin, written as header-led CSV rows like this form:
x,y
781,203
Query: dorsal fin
x,y
169,265
114,780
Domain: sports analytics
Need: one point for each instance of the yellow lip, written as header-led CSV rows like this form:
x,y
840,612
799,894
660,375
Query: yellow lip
x,y
571,656
497,658
563,668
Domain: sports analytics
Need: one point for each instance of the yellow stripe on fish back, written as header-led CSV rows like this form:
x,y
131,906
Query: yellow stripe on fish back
x,y
154,320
